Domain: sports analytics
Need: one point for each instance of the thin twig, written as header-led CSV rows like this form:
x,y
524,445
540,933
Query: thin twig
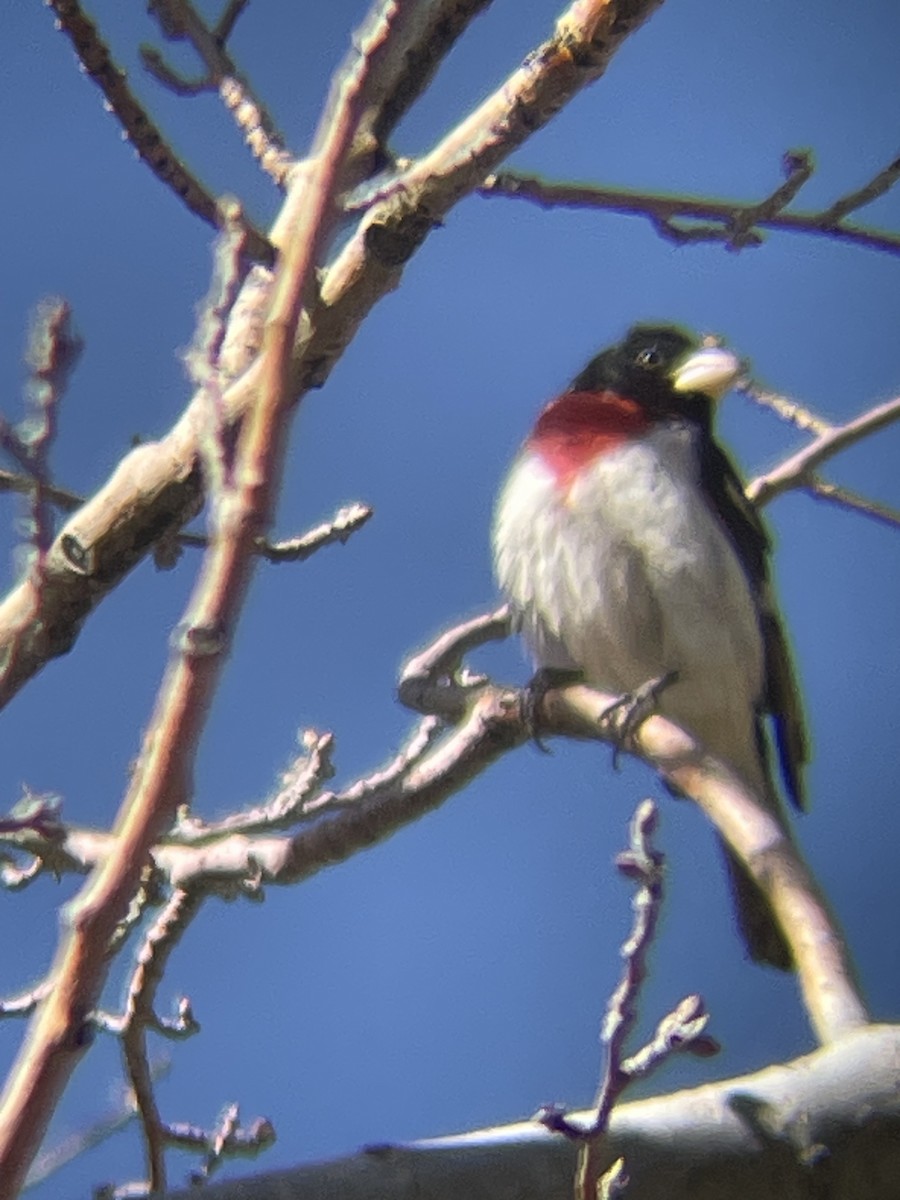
x,y
24,1004
24,485
681,1030
180,21
228,1139
53,351
300,783
52,1160
156,488
345,522
226,23
162,780
785,407
255,127
202,358
665,210
139,129
795,470
846,498
798,167
877,186
158,944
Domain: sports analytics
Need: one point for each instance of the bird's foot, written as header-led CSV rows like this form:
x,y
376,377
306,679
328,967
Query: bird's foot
x,y
543,681
624,716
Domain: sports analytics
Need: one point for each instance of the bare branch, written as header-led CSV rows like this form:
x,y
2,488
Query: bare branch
x,y
431,682
24,1004
829,1118
52,1160
161,783
301,783
823,963
53,494
227,1140
795,470
160,941
139,129
846,498
226,23
405,73
345,522
256,129
156,488
202,358
180,21
880,183
798,167
490,723
53,351
735,222
682,1029
785,407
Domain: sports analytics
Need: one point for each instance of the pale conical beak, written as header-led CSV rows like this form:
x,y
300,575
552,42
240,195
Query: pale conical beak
x,y
710,371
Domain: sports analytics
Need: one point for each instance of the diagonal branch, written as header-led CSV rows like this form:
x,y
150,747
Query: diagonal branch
x,y
482,723
181,21
798,468
162,779
95,59
877,186
845,498
824,967
157,487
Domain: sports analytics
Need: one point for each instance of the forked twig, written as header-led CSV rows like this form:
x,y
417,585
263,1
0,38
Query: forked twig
x,y
681,1030
680,219
138,127
161,782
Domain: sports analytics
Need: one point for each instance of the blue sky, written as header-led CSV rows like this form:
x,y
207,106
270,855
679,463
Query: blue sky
x,y
455,976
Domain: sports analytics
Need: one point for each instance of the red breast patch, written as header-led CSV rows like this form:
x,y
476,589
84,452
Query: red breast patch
x,y
578,426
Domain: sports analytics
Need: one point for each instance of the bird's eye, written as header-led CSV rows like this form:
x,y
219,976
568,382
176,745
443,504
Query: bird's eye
x,y
650,357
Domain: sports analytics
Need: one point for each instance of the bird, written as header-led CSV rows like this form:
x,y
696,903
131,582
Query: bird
x,y
628,552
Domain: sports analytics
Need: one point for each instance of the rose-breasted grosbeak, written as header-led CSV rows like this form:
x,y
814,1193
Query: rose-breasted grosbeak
x,y
628,550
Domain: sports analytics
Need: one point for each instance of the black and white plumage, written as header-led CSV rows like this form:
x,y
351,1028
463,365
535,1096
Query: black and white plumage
x,y
628,550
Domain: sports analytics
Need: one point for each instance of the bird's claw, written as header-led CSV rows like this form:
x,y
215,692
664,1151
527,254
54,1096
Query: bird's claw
x,y
543,680
624,716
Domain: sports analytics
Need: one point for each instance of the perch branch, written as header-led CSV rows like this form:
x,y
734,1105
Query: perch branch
x,y
822,960
483,722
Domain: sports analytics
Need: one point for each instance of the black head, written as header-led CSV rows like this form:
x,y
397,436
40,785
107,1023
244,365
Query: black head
x,y
662,367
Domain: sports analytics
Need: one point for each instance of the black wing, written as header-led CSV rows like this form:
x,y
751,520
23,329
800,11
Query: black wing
x,y
749,536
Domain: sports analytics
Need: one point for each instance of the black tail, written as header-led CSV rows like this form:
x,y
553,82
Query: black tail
x,y
764,940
